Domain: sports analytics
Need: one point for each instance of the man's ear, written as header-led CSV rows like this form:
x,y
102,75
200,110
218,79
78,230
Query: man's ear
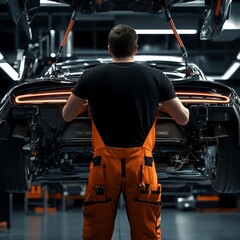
x,y
135,49
109,50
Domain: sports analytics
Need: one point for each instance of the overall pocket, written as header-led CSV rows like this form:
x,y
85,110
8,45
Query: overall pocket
x,y
149,190
97,190
148,207
149,195
98,208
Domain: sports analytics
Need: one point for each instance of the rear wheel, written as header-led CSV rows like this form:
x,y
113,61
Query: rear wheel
x,y
225,175
15,174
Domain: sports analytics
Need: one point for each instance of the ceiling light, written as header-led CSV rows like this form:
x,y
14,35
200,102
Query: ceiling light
x,y
238,56
7,68
196,3
165,31
157,58
230,71
48,3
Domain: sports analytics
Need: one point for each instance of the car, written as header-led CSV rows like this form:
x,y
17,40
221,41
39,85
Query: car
x,y
215,14
38,146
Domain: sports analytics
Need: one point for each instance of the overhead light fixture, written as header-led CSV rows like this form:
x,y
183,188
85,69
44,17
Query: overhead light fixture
x,y
195,3
143,58
229,72
157,58
165,31
234,67
231,24
238,56
48,3
7,68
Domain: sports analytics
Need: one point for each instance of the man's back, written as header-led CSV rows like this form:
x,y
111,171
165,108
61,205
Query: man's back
x,y
123,98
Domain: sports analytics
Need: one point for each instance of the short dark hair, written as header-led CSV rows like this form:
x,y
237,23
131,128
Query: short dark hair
x,y
122,40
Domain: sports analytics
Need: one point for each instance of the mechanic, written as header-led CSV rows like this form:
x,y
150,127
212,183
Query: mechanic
x,y
123,98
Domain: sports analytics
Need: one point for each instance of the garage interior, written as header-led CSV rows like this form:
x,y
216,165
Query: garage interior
x,y
54,210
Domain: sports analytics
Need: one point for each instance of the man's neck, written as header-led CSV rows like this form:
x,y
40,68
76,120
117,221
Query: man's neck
x,y
123,59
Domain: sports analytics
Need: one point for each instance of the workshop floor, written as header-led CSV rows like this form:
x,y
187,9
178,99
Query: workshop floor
x,y
176,225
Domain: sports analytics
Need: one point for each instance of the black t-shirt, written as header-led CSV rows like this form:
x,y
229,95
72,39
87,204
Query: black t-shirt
x,y
123,98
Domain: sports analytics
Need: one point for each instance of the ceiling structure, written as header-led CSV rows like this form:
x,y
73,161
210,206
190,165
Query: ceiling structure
x,y
218,58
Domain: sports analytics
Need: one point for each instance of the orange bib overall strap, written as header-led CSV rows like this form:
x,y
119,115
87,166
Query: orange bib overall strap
x,y
130,171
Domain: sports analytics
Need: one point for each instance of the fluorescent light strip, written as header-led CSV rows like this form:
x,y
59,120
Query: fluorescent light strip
x,y
52,3
165,31
147,58
7,68
229,72
230,24
157,58
238,56
234,67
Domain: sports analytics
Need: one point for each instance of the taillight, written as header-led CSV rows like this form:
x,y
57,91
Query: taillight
x,y
201,97
43,97
62,96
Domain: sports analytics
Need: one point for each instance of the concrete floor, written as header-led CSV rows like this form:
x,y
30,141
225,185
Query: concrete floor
x,y
176,225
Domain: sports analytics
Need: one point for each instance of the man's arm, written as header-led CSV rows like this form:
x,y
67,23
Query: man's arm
x,y
74,106
176,109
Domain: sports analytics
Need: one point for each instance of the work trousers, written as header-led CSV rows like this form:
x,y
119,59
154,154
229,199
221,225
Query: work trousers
x,y
130,172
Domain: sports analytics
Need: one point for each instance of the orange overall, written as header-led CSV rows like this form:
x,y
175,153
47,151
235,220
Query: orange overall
x,y
130,171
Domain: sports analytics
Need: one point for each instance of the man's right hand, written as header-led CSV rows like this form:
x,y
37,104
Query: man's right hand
x,y
176,109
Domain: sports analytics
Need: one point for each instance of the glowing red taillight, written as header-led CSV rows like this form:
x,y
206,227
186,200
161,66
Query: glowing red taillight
x,y
43,97
62,96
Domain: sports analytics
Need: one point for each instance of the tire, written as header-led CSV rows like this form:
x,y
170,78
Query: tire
x,y
15,176
225,177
